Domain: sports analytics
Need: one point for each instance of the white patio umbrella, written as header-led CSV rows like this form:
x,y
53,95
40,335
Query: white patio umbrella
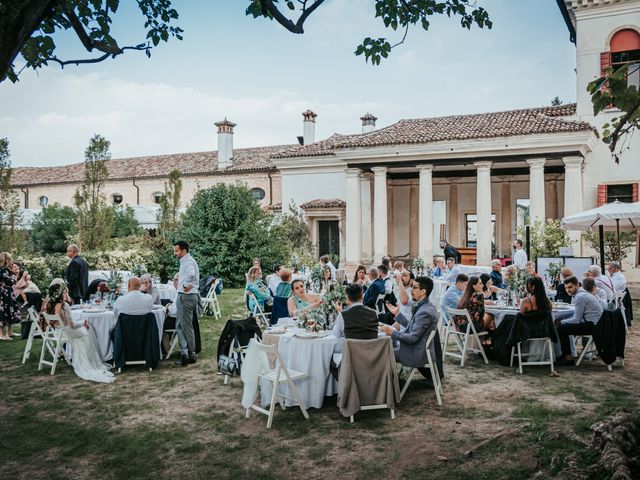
x,y
616,216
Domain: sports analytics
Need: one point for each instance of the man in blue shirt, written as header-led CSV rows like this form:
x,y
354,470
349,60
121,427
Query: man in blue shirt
x,y
452,296
496,274
587,314
440,268
452,271
376,288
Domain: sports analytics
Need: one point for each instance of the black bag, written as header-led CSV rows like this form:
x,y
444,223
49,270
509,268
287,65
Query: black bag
x,y
228,365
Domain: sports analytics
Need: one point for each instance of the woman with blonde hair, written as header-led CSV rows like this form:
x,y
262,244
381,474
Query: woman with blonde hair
x,y
9,313
259,290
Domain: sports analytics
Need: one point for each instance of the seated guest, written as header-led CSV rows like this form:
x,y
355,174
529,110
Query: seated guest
x,y
536,300
530,268
473,301
440,268
357,321
150,289
452,296
589,285
97,287
510,273
452,270
602,282
325,262
489,290
587,314
376,288
274,279
372,276
617,277
284,287
410,334
134,302
259,289
300,300
561,291
398,267
386,277
496,274
404,281
360,276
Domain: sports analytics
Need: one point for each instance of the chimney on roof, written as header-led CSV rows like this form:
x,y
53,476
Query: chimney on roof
x,y
225,143
368,122
309,127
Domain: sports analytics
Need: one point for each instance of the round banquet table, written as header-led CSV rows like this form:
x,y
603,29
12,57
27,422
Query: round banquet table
x,y
100,325
308,355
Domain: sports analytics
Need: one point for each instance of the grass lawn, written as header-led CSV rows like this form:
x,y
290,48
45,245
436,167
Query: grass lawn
x,y
185,423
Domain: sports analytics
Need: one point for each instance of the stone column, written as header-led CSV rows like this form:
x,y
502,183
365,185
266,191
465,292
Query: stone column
x,y
425,213
353,218
380,246
483,211
453,220
573,192
536,190
366,180
505,217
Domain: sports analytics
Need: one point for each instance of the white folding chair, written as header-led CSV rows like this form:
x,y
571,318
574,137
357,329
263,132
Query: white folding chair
x,y
35,331
380,304
210,303
462,340
276,376
619,302
261,317
546,342
589,347
433,368
173,341
52,340
237,351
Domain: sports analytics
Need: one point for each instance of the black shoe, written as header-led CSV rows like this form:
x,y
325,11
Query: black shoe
x,y
192,359
565,363
183,362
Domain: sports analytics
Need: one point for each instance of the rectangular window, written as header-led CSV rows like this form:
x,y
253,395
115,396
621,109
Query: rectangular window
x,y
621,193
632,59
522,212
471,221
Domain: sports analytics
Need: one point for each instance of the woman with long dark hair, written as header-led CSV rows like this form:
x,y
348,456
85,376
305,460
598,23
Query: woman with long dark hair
x,y
472,300
537,300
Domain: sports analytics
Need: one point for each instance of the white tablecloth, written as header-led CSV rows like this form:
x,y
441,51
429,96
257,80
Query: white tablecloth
x,y
500,312
470,269
309,355
439,289
100,326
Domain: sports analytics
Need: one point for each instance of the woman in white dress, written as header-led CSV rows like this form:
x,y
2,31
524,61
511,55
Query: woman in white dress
x,y
85,359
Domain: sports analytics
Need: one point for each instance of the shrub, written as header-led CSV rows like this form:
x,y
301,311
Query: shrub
x,y
51,228
226,228
627,242
124,223
546,238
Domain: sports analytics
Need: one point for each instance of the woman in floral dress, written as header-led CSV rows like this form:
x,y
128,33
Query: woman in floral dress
x,y
9,313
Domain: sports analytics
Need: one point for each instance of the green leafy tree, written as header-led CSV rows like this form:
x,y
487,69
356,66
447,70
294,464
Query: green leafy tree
x,y
169,214
124,223
292,231
226,228
546,238
627,242
94,215
614,90
27,27
51,228
9,202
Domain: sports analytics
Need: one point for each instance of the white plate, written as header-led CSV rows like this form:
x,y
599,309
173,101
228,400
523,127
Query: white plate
x,y
311,334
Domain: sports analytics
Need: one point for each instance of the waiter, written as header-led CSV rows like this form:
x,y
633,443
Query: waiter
x,y
187,302
450,251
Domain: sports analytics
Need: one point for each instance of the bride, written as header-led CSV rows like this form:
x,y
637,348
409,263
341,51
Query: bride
x,y
85,359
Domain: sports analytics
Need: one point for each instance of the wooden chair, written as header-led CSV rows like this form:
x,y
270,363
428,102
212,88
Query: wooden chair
x,y
277,376
433,368
462,339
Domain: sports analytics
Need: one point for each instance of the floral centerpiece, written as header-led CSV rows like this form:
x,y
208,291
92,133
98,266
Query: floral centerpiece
x,y
517,282
553,272
139,270
337,295
312,320
418,264
115,280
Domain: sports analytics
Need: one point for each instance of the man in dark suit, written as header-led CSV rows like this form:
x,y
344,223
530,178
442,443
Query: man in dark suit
x,y
76,274
376,288
410,335
358,321
450,251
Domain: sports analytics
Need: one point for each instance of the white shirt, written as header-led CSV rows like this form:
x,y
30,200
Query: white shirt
x,y
133,303
189,275
520,258
338,328
604,283
407,310
274,281
601,296
388,284
619,281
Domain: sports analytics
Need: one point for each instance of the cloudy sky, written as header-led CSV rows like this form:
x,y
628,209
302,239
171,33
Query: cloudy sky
x,y
262,77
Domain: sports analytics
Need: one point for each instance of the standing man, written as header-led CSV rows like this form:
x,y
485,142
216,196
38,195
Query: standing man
x,y
187,302
519,255
450,251
76,274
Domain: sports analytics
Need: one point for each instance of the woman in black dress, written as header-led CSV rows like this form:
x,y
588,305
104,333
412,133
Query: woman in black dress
x,y
9,312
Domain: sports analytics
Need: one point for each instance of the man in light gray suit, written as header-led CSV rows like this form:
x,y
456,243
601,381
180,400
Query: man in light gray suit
x,y
410,335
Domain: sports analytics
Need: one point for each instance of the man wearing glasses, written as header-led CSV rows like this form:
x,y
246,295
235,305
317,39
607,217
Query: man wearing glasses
x,y
410,334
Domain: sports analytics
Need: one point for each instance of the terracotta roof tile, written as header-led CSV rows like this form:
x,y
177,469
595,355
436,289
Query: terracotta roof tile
x,y
244,159
324,203
528,121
